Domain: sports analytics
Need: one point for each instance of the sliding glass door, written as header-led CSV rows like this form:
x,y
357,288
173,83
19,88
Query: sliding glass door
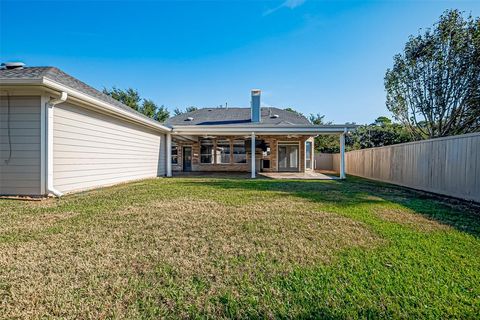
x,y
288,157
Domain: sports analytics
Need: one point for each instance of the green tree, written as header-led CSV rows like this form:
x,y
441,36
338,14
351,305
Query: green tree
x,y
383,121
382,132
129,97
179,111
191,108
132,98
162,114
433,87
324,143
149,108
316,119
294,111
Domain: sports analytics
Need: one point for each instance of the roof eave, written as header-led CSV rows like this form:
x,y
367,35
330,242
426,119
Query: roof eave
x,y
263,129
91,101
20,81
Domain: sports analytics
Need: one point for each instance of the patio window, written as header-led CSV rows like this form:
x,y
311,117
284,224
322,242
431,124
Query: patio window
x,y
174,153
223,151
308,155
206,151
239,151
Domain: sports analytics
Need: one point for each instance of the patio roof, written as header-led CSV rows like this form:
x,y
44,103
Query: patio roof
x,y
260,129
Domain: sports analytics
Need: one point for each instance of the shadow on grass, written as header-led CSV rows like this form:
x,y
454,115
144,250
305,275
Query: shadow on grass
x,y
358,191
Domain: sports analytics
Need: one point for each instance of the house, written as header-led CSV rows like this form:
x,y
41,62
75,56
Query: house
x,y
222,139
59,135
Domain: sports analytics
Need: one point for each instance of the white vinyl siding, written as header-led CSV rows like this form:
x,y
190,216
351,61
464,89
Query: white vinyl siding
x,y
91,149
21,175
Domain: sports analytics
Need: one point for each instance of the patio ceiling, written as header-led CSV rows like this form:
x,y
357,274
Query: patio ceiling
x,y
259,130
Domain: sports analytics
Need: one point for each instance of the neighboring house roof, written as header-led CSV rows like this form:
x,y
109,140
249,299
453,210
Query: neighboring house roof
x,y
57,75
237,117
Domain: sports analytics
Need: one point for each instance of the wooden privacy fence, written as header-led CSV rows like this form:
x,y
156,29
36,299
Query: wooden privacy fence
x,y
448,166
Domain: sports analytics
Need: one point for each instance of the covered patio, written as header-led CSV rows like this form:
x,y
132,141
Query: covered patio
x,y
276,152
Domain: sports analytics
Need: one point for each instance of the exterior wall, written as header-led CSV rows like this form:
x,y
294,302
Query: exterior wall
x,y
197,166
242,167
91,149
274,140
21,175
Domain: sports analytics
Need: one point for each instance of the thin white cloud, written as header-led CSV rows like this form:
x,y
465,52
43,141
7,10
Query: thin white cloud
x,y
291,4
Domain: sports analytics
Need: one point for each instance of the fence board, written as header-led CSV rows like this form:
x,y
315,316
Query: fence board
x,y
448,166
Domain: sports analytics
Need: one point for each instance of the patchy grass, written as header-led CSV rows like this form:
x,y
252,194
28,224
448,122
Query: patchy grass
x,y
233,248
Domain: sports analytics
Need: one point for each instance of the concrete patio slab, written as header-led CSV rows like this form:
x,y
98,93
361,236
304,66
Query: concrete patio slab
x,y
309,175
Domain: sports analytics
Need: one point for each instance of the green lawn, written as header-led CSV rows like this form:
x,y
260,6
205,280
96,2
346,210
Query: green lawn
x,y
237,248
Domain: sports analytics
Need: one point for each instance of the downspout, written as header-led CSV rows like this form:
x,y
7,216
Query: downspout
x,y
49,145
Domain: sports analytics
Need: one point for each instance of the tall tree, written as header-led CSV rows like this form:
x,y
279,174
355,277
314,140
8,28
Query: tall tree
x,y
179,111
162,114
129,97
434,85
294,111
149,108
383,121
132,98
191,108
324,143
382,132
317,119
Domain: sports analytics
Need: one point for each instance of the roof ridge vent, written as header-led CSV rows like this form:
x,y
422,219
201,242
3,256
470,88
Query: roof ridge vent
x,y
13,65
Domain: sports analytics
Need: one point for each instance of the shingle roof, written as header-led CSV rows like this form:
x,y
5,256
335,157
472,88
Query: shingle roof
x,y
237,116
206,116
57,75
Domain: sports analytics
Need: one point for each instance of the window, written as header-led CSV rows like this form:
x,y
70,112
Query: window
x,y
223,151
239,151
308,155
266,149
206,151
174,153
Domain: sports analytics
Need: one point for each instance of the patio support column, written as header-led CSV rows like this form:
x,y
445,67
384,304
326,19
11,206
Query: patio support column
x,y
342,155
253,155
169,154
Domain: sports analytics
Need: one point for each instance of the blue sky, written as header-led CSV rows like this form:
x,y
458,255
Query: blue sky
x,y
326,57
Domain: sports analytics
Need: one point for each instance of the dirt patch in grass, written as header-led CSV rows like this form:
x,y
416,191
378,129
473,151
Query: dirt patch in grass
x,y
176,253
411,219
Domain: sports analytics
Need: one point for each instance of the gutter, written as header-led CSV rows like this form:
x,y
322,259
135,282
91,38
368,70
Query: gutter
x,y
49,145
